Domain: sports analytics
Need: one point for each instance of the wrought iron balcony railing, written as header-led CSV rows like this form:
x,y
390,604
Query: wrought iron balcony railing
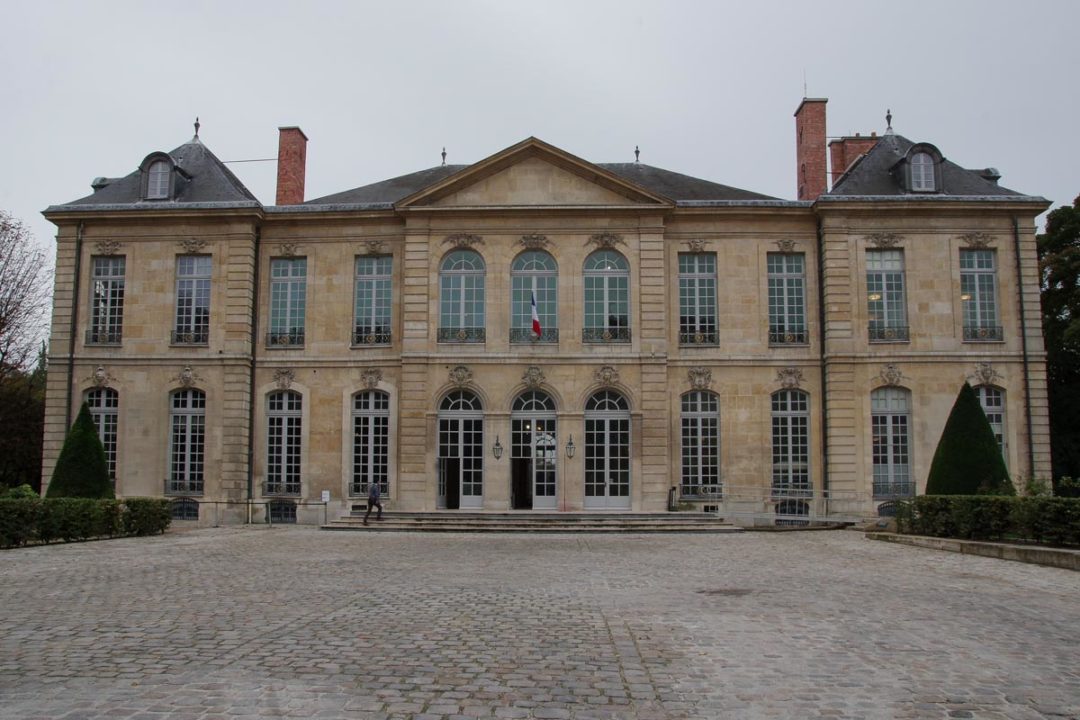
x,y
526,335
285,339
888,490
702,492
792,490
103,337
371,336
606,335
462,335
984,333
788,337
281,488
183,486
693,337
200,336
894,333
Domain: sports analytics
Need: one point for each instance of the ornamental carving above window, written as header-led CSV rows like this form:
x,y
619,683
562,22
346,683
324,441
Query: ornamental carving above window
x,y
534,241
101,377
371,377
790,378
977,239
985,374
606,240
884,239
787,245
187,377
288,249
607,376
373,246
192,245
696,245
891,375
700,378
283,378
107,247
463,240
461,376
533,377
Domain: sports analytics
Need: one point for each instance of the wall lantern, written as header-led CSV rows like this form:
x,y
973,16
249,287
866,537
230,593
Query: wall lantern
x,y
570,447
497,449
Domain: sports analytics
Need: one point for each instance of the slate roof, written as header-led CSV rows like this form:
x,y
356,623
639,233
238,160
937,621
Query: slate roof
x,y
673,185
871,176
208,184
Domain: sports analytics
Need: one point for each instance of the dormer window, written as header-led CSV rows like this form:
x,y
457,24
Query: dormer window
x,y
922,173
157,181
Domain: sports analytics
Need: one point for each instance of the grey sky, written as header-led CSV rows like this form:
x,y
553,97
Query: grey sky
x,y
704,88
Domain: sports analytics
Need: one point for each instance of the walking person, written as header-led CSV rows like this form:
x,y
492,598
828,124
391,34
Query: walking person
x,y
373,501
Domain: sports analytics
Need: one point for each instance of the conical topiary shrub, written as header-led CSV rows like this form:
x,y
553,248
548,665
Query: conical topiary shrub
x,y
968,460
81,470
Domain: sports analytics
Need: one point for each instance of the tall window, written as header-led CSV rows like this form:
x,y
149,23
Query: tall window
x,y
107,301
187,438
700,444
288,297
922,172
890,420
978,292
992,400
697,299
791,443
461,298
787,298
283,437
887,305
461,451
157,180
607,298
371,324
607,451
104,406
192,300
534,275
371,442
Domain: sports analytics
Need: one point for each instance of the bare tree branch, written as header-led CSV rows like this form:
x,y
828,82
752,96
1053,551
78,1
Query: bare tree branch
x,y
24,298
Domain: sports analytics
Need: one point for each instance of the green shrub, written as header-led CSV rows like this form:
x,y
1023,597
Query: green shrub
x,y
71,519
46,520
968,460
19,492
19,521
1051,520
81,470
146,516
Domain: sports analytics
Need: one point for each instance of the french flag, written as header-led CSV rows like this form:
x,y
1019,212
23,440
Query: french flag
x,y
535,317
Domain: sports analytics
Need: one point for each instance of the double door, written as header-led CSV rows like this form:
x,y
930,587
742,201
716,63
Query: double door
x,y
533,456
607,463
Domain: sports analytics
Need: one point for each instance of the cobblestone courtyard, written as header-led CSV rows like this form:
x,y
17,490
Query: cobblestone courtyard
x,y
295,622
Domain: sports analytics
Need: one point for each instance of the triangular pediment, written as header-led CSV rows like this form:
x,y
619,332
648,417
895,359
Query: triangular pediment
x,y
533,173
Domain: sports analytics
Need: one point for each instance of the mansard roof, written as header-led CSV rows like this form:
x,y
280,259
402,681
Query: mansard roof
x,y
874,174
202,182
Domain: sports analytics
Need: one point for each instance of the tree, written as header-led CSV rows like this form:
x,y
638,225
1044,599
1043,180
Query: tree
x,y
81,470
968,460
22,426
24,299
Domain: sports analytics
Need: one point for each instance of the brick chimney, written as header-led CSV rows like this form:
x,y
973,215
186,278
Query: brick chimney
x,y
846,150
291,165
810,148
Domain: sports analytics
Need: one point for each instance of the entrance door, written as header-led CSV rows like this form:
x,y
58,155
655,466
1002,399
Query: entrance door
x,y
534,443
521,490
461,452
607,452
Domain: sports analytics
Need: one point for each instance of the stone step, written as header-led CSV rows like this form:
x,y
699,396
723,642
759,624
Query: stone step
x,y
456,521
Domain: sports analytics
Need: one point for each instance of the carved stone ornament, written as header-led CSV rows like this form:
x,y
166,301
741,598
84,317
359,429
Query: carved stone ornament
x,y
288,249
696,245
789,377
891,375
101,377
985,374
607,375
700,378
192,245
606,240
463,240
187,377
533,377
977,240
371,377
787,245
107,247
283,378
534,241
373,246
461,376
884,240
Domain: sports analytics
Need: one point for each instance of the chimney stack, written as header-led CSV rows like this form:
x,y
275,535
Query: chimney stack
x,y
291,165
810,148
846,150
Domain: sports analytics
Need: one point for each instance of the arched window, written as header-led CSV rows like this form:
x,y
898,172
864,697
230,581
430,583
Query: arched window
x,y
157,180
534,452
104,406
371,442
700,444
922,172
791,444
184,509
992,400
890,423
187,441
534,278
607,451
283,440
461,451
461,297
792,513
607,298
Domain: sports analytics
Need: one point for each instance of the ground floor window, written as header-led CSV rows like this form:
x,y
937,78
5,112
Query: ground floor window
x,y
790,443
992,400
187,441
461,451
700,444
607,451
283,441
104,404
890,420
371,442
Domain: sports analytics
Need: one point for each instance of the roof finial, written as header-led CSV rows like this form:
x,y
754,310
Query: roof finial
x,y
444,156
197,126
888,121
637,154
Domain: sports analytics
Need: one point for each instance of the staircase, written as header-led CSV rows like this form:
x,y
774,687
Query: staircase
x,y
536,522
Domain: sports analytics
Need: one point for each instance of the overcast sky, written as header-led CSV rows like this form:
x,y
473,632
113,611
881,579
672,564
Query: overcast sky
x,y
704,88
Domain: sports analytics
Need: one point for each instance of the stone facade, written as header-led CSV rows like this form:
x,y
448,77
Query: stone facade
x,y
532,197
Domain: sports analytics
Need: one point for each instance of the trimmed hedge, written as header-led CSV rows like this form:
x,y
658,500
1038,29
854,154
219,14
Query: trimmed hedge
x,y
69,519
1050,520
